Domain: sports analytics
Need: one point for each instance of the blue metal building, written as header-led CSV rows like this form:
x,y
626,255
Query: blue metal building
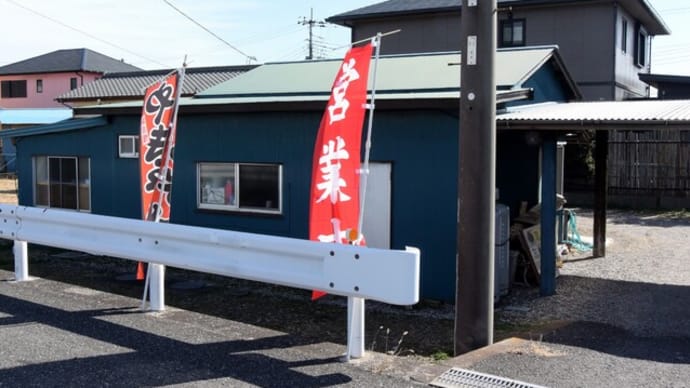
x,y
259,129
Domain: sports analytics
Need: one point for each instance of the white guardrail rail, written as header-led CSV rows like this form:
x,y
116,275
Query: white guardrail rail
x,y
390,276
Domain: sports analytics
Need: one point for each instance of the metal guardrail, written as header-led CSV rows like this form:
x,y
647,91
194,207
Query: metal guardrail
x,y
390,276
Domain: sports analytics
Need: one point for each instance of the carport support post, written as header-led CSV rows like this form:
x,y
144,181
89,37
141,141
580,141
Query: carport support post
x,y
601,151
547,282
474,295
21,260
157,287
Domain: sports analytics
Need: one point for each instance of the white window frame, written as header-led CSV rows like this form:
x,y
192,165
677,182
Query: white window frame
x,y
124,154
85,184
235,207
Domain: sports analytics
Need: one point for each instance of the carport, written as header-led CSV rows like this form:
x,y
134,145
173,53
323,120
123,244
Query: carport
x,y
552,122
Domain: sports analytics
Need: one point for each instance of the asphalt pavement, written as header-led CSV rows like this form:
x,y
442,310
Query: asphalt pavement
x,y
55,334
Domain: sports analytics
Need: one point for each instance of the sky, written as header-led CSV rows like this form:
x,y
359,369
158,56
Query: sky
x,y
152,34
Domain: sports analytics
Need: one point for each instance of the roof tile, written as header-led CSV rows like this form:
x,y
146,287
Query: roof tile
x,y
67,61
133,84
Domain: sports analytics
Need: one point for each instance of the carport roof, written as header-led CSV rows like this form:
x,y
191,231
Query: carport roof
x,y
601,115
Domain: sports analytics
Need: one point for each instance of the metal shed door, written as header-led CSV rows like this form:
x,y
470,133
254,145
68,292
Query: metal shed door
x,y
377,208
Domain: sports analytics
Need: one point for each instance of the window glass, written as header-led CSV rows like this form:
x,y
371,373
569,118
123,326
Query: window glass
x,y
512,33
39,86
259,186
13,89
641,46
624,35
642,49
84,171
41,168
62,182
507,34
128,146
240,186
217,184
518,32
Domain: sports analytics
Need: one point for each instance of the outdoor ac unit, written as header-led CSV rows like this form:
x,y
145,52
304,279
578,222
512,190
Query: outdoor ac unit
x,y
502,252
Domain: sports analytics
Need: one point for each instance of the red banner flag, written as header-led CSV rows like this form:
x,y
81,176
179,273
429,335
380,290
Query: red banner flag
x,y
157,142
156,146
334,200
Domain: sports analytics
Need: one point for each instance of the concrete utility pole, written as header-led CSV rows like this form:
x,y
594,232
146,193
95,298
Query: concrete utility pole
x,y
311,23
477,178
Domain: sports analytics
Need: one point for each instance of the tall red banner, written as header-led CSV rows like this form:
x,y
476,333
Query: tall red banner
x,y
156,146
334,200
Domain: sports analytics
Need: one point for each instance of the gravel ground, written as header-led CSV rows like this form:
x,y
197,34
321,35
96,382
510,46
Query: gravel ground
x,y
641,285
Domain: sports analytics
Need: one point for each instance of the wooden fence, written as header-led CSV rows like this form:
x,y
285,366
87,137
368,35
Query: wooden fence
x,y
650,163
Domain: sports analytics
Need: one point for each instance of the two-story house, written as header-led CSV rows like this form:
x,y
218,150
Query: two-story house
x,y
604,43
29,88
35,82
606,46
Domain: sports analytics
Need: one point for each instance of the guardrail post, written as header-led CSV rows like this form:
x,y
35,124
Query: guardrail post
x,y
355,327
157,286
21,260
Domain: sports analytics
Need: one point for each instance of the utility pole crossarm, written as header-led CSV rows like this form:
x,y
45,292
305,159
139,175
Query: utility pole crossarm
x,y
311,23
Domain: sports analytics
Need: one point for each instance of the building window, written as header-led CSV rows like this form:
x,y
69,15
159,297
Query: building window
x,y
72,83
13,89
641,39
62,182
39,86
128,146
240,187
512,33
624,35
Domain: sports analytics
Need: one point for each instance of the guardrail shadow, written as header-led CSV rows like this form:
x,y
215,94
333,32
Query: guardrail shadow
x,y
138,357
224,297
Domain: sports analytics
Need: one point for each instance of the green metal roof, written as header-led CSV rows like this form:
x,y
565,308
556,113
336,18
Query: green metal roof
x,y
410,78
396,74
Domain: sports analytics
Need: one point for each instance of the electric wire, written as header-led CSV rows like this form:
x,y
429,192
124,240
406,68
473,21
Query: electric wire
x,y
85,33
249,57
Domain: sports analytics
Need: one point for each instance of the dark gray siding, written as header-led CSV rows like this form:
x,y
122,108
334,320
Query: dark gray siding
x,y
584,34
587,34
419,34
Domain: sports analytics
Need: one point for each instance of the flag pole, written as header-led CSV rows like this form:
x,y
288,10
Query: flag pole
x,y
364,171
371,38
355,306
162,180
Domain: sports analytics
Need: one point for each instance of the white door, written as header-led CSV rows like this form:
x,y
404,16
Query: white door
x,y
377,206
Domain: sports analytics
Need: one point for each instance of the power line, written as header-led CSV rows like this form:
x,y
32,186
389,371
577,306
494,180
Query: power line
x,y
249,58
84,33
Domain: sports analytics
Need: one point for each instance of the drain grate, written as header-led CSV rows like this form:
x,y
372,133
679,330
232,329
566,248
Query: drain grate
x,y
463,378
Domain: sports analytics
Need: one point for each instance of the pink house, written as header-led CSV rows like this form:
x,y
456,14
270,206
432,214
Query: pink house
x,y
35,82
